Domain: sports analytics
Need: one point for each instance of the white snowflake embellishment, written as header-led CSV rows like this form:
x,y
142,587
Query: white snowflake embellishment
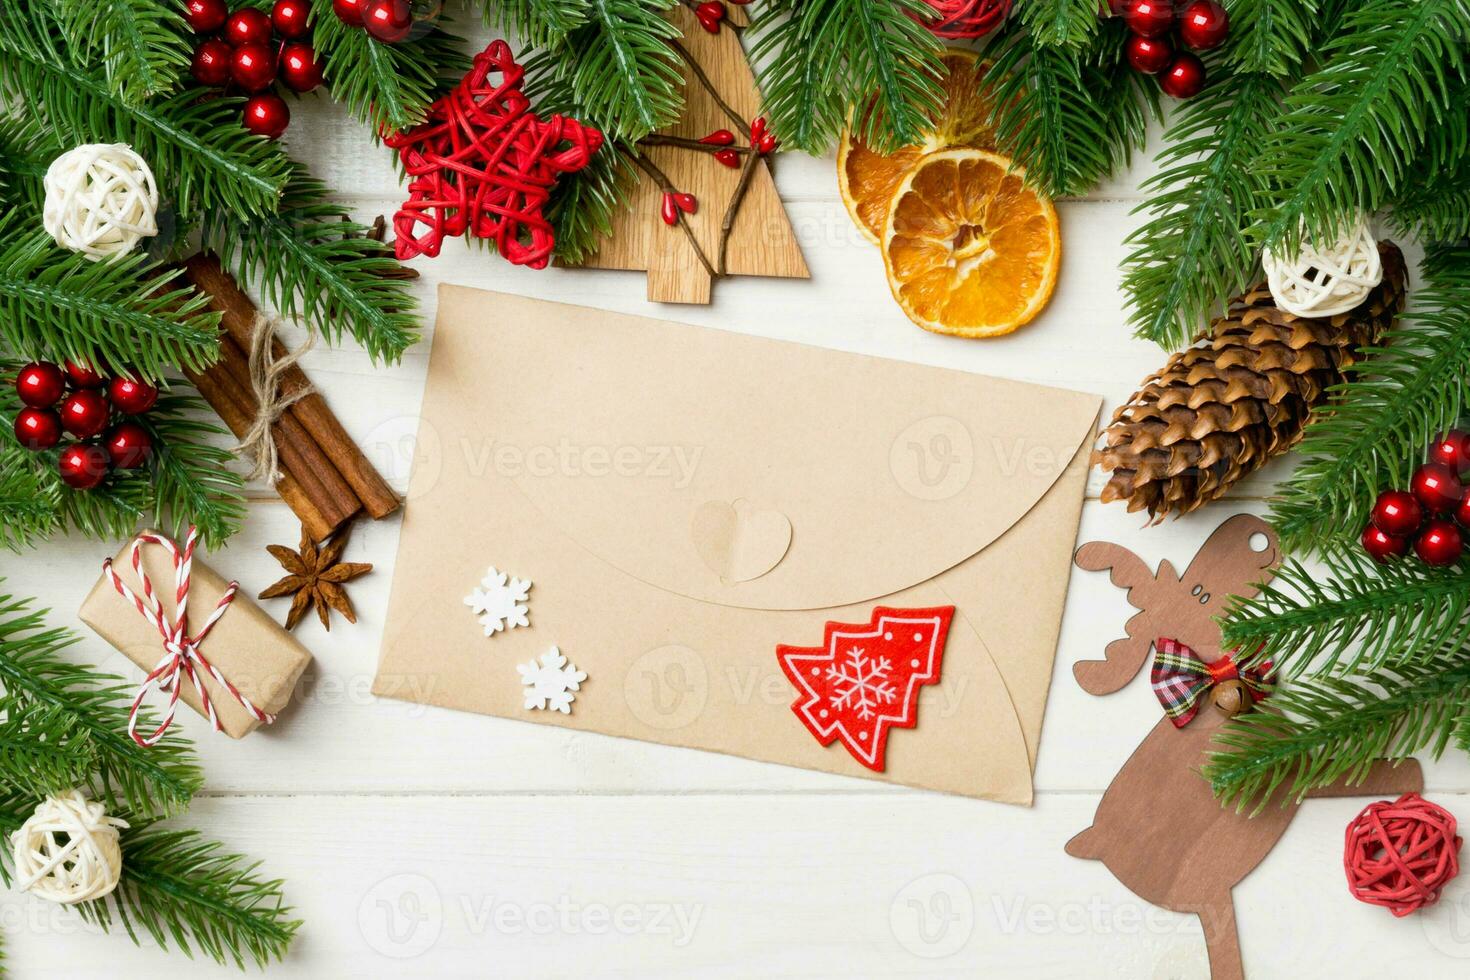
x,y
551,681
861,683
500,601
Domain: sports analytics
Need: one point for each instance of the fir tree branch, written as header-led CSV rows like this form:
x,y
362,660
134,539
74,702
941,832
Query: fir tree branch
x,y
388,86
1326,728
184,890
29,508
61,306
1352,127
1193,252
623,68
42,752
1071,23
315,263
1366,617
821,58
1395,401
1070,117
540,23
192,140
1435,203
140,43
1271,36
152,781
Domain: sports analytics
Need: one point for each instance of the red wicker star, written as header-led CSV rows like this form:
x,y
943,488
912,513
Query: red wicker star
x,y
483,164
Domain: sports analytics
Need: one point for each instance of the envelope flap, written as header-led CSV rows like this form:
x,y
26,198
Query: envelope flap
x,y
746,471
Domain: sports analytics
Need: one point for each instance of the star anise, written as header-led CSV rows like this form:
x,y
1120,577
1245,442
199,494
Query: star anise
x,y
315,577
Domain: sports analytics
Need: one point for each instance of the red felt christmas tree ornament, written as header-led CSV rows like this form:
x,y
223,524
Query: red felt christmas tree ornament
x,y
483,164
1399,855
965,19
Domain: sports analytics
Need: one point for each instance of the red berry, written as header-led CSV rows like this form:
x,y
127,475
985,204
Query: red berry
x,y
205,16
668,209
388,20
84,413
728,157
1438,488
1184,77
719,137
1150,18
1462,512
1149,55
1452,449
1439,543
37,428
1397,512
132,397
267,115
1382,547
248,26
82,467
128,445
291,18
83,376
709,14
1204,25
349,12
300,69
687,203
211,65
253,67
40,384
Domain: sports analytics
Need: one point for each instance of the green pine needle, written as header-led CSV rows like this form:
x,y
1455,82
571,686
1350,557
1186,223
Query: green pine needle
x,y
29,505
1353,127
1193,253
1069,23
1435,204
389,86
182,889
1399,398
540,23
61,306
44,752
315,263
1363,618
33,677
1070,117
141,43
1323,729
820,58
1271,36
623,68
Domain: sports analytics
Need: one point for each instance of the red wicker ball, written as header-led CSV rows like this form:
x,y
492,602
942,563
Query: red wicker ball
x,y
1400,855
962,19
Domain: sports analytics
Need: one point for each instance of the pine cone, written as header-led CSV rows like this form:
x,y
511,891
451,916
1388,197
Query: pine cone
x,y
1242,394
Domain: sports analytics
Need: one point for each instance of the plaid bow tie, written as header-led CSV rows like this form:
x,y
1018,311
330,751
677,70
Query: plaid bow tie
x,y
1181,678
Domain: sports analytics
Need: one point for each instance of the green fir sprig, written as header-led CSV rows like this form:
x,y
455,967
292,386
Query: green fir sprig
x,y
140,43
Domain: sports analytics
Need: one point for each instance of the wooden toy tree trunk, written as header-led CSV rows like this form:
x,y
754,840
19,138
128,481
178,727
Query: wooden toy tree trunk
x,y
739,227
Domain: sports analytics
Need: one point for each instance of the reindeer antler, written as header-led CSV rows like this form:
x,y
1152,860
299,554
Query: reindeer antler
x,y
1124,657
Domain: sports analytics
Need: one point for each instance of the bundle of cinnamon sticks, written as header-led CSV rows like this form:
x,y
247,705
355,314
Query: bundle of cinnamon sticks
x,y
325,478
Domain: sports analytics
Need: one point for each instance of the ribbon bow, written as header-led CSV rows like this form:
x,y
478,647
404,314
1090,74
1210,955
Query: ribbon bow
x,y
180,650
1180,678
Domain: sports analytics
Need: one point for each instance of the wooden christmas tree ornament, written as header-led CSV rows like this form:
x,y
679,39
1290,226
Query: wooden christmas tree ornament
x,y
705,205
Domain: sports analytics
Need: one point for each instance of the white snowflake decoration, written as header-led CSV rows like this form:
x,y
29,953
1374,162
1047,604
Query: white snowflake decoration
x,y
551,681
862,683
500,601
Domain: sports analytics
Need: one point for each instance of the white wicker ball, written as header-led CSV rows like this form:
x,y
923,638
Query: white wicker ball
x,y
101,200
68,851
1325,280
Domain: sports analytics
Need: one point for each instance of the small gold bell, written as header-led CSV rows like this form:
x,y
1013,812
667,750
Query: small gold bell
x,y
1232,698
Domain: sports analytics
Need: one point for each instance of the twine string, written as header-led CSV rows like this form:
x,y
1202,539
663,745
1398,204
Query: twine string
x,y
266,372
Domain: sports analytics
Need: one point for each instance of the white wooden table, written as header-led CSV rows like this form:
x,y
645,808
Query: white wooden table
x,y
420,842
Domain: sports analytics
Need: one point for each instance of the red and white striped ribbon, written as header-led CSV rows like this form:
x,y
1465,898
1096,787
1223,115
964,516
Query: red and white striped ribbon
x,y
180,650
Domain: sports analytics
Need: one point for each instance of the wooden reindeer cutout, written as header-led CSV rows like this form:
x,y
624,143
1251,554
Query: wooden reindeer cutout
x,y
1158,828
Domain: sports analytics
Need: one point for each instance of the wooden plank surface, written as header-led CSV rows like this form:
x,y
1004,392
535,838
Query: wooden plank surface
x,y
418,842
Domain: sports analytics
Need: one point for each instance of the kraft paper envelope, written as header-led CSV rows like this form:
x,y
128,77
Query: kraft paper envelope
x,y
686,499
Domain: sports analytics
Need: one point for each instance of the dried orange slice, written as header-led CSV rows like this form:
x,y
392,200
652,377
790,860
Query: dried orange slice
x,y
867,179
969,248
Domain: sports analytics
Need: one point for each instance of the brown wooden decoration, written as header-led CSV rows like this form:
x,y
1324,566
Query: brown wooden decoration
x,y
738,227
1158,828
